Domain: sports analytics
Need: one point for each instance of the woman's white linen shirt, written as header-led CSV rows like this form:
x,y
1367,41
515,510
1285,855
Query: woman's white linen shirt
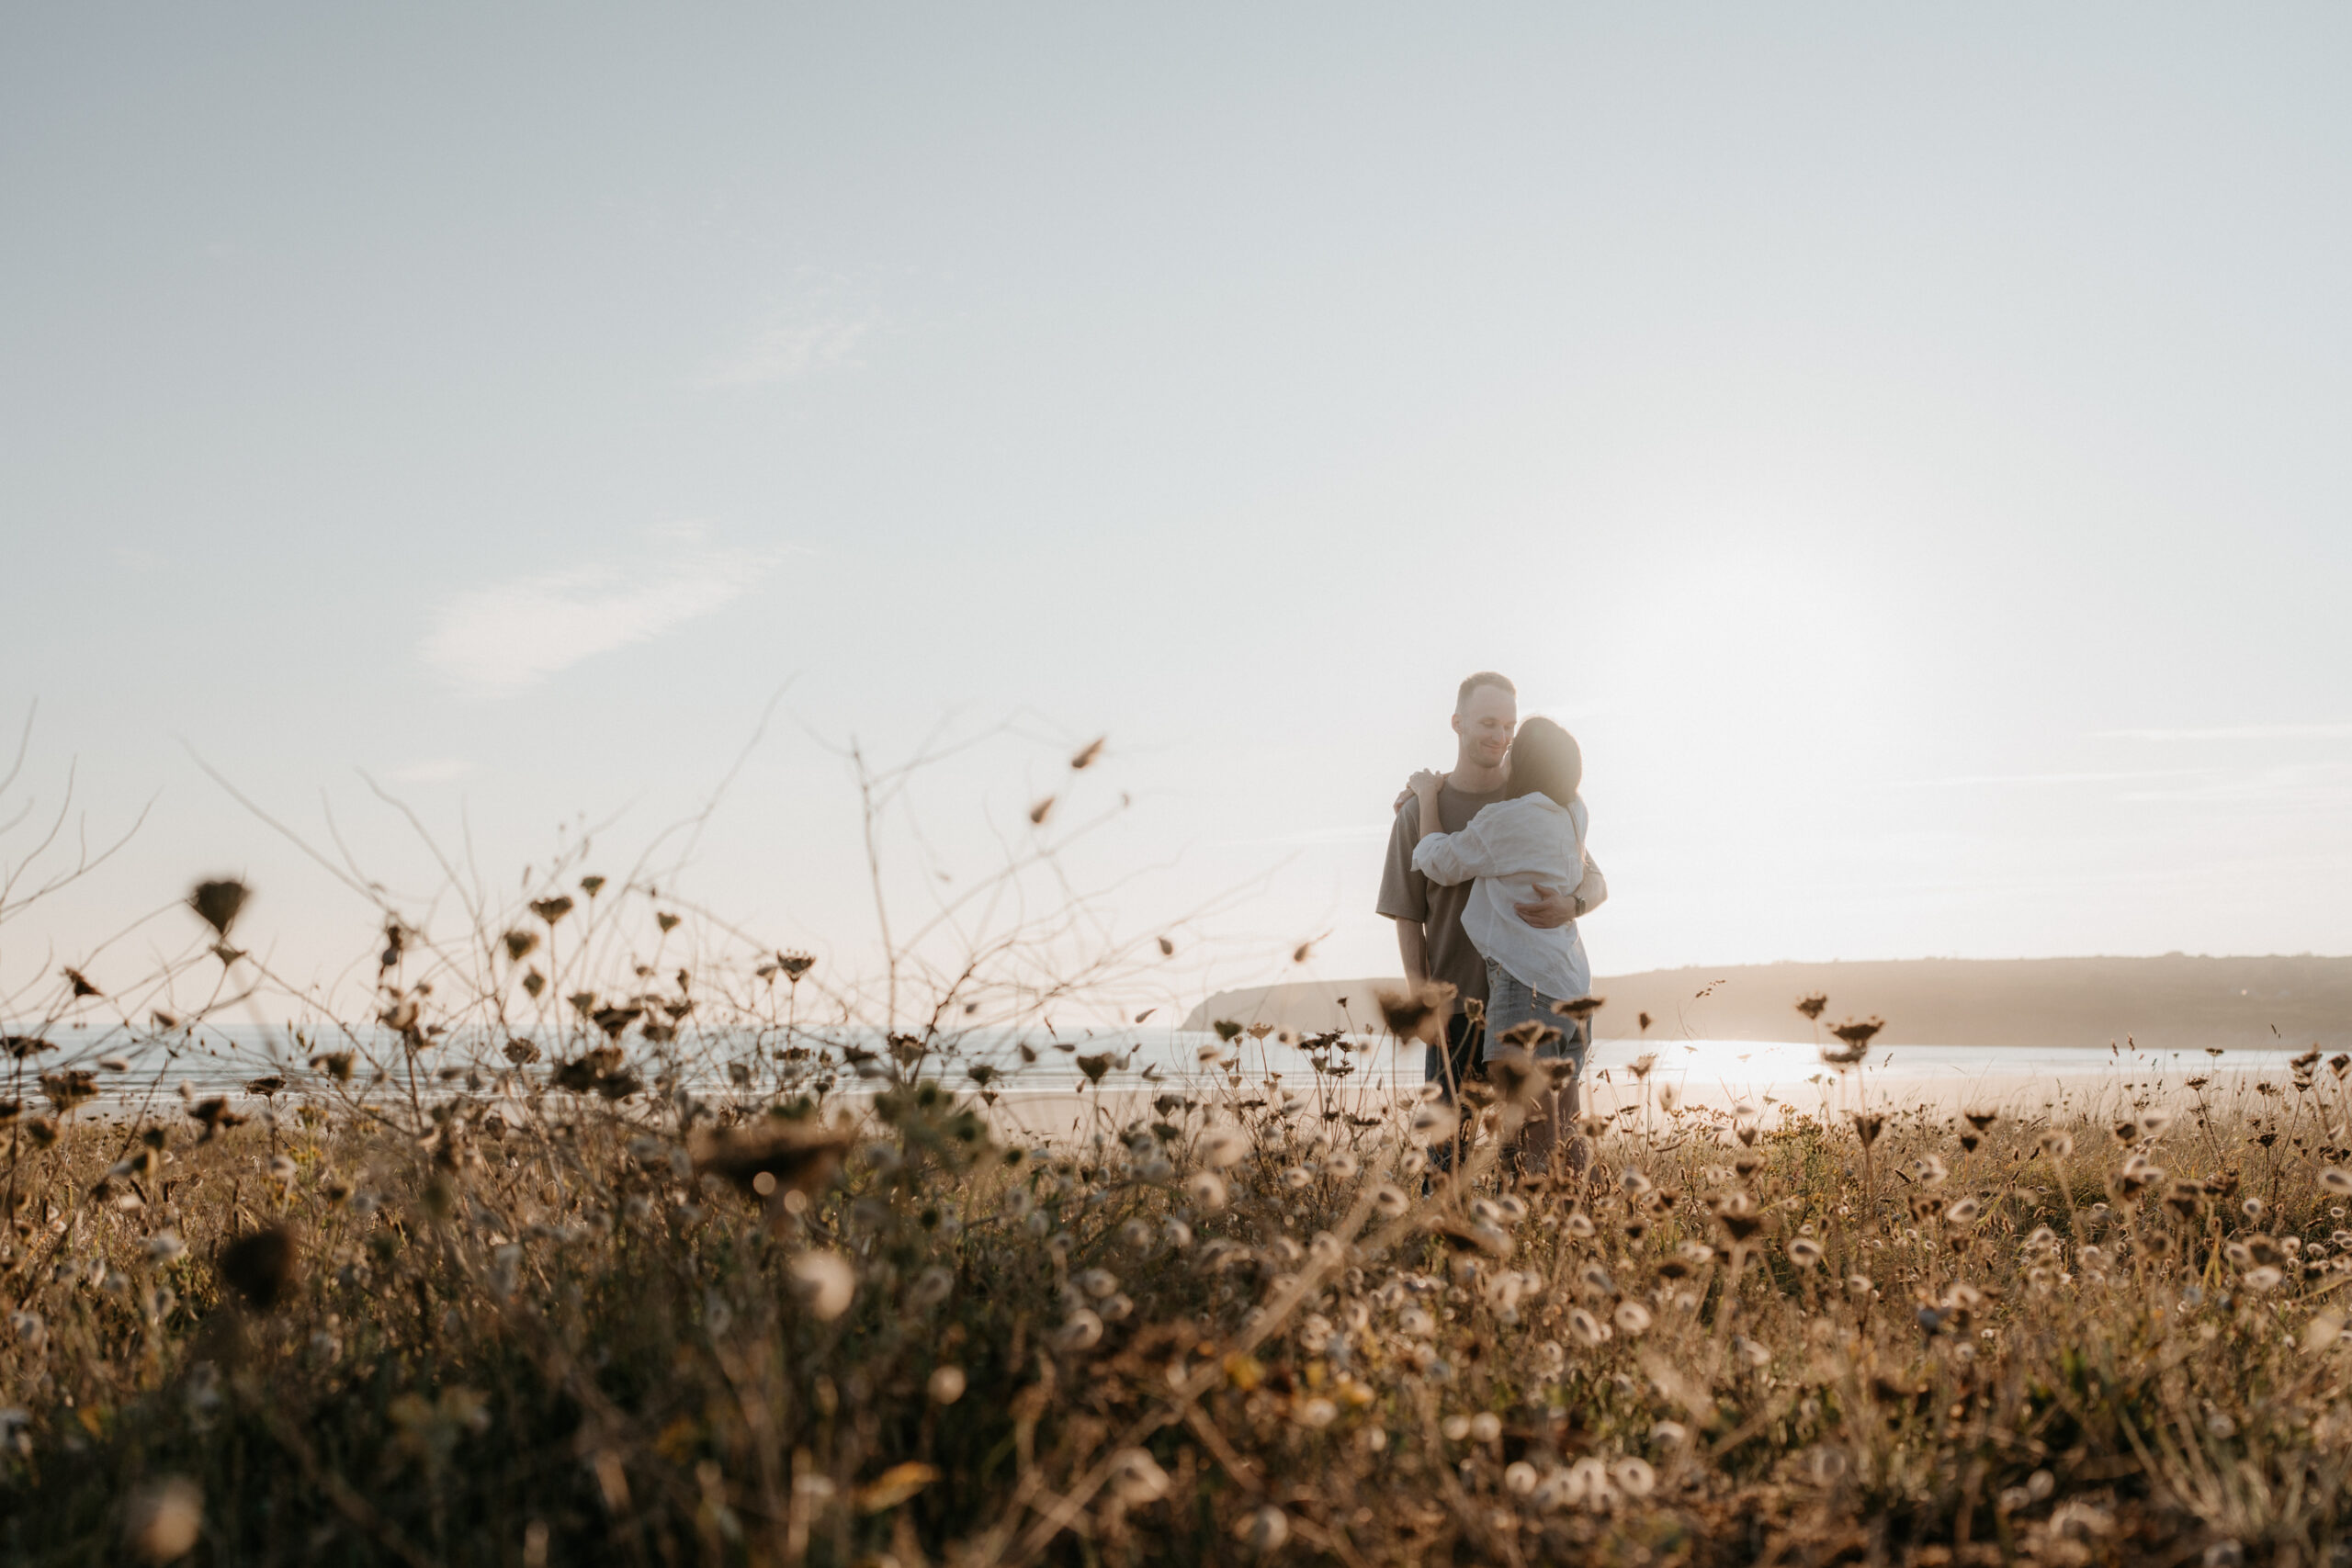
x,y
1509,847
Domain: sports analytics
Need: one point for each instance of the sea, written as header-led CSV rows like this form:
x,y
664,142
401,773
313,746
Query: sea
x,y
1146,1061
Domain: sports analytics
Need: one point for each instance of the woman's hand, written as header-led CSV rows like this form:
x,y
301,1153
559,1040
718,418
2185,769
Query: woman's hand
x,y
1425,784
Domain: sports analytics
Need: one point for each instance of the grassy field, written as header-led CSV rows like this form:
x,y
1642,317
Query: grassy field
x,y
539,1300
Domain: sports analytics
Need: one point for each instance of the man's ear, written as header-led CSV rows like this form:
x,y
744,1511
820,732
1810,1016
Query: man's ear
x,y
1453,722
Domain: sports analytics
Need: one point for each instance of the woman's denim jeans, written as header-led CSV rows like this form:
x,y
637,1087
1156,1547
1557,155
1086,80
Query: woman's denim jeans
x,y
1511,1002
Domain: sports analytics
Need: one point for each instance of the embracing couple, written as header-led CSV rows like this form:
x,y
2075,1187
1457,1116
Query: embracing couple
x,y
1486,877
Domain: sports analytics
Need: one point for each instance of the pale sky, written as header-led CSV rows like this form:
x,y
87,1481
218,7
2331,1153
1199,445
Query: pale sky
x,y
1907,449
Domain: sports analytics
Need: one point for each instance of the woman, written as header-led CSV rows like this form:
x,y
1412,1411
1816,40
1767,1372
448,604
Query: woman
x,y
1535,834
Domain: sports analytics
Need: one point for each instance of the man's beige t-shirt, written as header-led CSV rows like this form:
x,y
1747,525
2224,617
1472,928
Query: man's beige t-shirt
x,y
1407,895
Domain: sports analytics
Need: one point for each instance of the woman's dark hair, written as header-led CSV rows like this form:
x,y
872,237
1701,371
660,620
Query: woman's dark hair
x,y
1545,759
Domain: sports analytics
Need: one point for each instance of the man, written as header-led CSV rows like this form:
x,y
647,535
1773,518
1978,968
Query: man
x,y
1428,918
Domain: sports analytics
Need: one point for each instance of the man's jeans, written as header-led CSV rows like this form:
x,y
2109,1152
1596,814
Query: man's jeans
x,y
1458,1060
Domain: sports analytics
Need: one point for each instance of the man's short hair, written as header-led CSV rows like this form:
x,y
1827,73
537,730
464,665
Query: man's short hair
x,y
1483,678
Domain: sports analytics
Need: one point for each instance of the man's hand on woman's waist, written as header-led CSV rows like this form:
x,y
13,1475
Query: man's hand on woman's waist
x,y
1551,910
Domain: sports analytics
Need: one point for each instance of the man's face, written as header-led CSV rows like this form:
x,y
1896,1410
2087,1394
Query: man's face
x,y
1485,724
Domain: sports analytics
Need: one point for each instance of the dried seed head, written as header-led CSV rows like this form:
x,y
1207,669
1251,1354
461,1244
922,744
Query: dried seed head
x,y
1264,1530
1221,1147
826,1282
1417,1015
1082,1330
162,1521
800,1157
262,1266
1136,1478
1206,1189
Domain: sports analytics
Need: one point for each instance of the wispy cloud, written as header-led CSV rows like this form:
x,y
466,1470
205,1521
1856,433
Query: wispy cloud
x,y
787,351
504,639
2325,786
1350,833
2237,732
439,769
1959,780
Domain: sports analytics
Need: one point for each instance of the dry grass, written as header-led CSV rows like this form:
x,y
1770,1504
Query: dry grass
x,y
609,1237
623,1320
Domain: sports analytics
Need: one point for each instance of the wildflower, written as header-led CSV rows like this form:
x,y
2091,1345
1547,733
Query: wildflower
x,y
1813,1005
1520,1479
2264,1279
1587,1328
1868,1126
826,1282
1207,1188
1859,1285
1486,1427
164,1520
30,1329
1318,1414
1805,1253
2057,1144
1631,1318
1118,1309
1455,1428
165,1246
1928,1170
945,1385
2336,1179
1097,1282
1634,1477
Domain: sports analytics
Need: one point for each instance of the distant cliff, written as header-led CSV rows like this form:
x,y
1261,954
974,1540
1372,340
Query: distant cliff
x,y
2175,1002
